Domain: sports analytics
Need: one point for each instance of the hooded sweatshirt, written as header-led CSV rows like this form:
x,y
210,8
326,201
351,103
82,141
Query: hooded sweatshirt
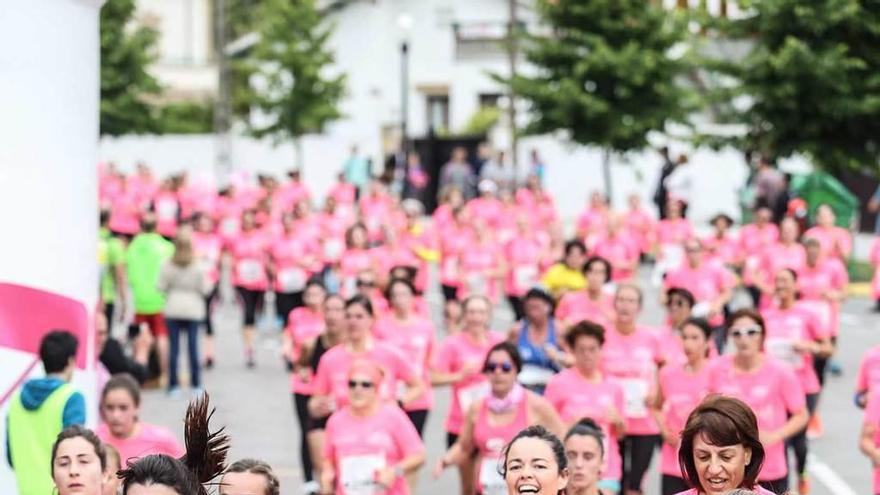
x,y
35,392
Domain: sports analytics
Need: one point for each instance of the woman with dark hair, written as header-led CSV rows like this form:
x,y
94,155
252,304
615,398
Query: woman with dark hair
x,y
535,462
122,428
720,448
78,462
765,385
567,274
208,248
585,453
493,421
329,390
680,388
295,257
524,253
538,341
413,336
250,277
593,303
585,391
205,459
679,302
356,258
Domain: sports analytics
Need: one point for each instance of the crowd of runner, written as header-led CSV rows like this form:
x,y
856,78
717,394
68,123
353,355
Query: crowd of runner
x,y
349,283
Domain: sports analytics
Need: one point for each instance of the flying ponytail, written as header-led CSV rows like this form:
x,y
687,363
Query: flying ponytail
x,y
205,457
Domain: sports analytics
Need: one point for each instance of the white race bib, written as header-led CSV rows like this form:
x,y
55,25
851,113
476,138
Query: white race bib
x,y
783,349
635,391
229,226
292,279
491,480
357,474
472,393
333,248
524,277
532,375
249,270
166,210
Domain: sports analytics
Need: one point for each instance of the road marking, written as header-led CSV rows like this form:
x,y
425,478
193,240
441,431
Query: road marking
x,y
828,477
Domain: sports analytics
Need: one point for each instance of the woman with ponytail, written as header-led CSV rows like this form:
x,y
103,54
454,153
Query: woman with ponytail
x,y
205,459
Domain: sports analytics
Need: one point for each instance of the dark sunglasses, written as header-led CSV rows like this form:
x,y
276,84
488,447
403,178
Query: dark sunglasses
x,y
492,367
750,331
358,383
365,283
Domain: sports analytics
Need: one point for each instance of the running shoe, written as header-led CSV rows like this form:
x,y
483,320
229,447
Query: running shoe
x,y
814,427
311,488
803,485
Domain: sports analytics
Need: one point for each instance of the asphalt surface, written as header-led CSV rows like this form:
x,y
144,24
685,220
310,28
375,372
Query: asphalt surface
x,y
256,407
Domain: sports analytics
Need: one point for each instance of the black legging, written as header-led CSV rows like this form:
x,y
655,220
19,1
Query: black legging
x,y
516,305
209,301
287,302
301,403
798,443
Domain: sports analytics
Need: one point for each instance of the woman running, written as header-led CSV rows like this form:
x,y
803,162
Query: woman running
x,y
523,254
495,420
592,303
79,462
680,388
583,391
208,248
585,452
250,277
295,258
538,341
535,462
384,448
356,258
869,442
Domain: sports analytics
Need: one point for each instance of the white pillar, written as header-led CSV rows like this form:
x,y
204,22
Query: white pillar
x,y
49,92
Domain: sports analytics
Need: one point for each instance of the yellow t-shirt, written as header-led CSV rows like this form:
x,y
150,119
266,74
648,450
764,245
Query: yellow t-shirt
x,y
560,279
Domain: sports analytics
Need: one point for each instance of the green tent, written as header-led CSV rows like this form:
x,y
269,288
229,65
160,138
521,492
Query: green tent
x,y
822,188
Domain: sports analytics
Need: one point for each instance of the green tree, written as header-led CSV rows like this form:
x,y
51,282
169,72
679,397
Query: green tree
x,y
189,117
290,69
605,76
126,85
809,81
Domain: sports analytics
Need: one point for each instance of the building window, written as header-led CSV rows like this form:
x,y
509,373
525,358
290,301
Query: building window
x,y
489,99
438,112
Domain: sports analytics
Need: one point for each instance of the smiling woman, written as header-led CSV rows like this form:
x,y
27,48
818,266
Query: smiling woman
x,y
535,463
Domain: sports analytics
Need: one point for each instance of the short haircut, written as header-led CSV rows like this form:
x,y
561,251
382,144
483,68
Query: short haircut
x,y
602,261
541,294
254,466
585,328
747,313
362,301
399,281
575,244
511,351
56,350
125,382
682,293
722,421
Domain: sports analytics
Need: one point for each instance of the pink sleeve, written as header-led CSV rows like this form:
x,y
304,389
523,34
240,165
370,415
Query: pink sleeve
x,y
329,433
862,377
872,410
792,392
442,360
817,330
321,382
405,434
552,395
563,310
403,370
840,279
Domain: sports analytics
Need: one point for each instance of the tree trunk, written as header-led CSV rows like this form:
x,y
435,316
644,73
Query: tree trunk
x,y
299,161
606,172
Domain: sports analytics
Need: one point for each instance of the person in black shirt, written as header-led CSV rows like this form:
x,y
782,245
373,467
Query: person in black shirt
x,y
113,355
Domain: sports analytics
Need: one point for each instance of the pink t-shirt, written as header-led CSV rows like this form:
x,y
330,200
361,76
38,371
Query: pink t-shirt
x,y
874,258
577,306
358,447
639,225
632,360
621,251
303,325
249,261
523,265
352,262
673,232
786,326
872,417
724,249
477,261
485,209
414,339
149,439
759,490
208,247
833,241
331,377
125,213
343,192
167,208
453,242
773,392
754,239
868,378
778,256
682,390
829,273
295,258
575,398
706,283
591,224
456,352
332,238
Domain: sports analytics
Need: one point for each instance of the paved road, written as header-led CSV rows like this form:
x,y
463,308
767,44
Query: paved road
x,y
257,410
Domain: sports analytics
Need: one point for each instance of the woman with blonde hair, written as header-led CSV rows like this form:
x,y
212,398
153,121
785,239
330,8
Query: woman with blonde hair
x,y
184,282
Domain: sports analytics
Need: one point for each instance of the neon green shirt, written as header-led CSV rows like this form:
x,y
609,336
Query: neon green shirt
x,y
111,254
143,261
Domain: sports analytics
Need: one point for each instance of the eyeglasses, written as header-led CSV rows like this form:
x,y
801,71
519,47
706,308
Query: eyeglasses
x,y
492,367
365,283
748,331
677,303
358,383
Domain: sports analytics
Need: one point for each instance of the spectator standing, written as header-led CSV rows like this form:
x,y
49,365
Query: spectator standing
x,y
499,172
537,167
458,173
680,183
661,195
39,411
357,171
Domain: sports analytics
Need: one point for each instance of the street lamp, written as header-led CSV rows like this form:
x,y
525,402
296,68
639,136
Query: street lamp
x,y
404,23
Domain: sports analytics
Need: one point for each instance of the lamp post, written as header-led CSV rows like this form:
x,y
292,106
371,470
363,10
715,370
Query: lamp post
x,y
404,24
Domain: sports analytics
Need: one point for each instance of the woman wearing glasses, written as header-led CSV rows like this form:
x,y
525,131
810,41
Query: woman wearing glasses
x,y
681,388
679,303
370,444
584,391
766,385
494,421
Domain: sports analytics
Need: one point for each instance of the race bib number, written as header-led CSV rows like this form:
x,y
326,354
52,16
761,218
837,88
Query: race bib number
x,y
491,480
532,375
249,270
635,391
524,277
333,248
783,349
166,210
229,226
673,255
472,393
292,279
357,474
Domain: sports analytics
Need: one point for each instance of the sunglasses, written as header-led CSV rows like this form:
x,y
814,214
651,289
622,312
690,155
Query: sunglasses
x,y
365,283
358,383
749,331
493,367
